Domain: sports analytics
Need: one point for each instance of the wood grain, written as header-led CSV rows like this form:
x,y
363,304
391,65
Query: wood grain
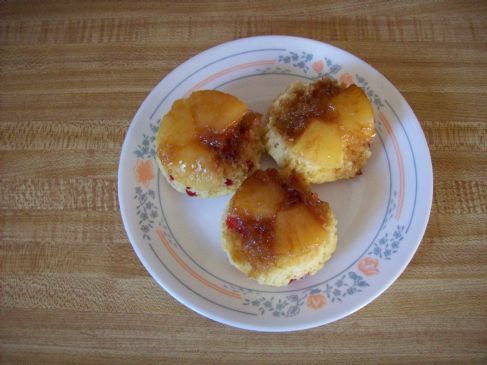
x,y
72,75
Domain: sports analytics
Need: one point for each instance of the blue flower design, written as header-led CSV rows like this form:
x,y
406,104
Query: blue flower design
x,y
373,96
299,60
293,311
146,148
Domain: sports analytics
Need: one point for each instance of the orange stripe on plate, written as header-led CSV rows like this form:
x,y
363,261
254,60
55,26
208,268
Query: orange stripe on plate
x,y
400,162
231,69
191,272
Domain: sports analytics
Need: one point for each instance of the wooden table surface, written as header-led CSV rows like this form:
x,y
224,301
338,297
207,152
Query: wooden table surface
x,y
72,75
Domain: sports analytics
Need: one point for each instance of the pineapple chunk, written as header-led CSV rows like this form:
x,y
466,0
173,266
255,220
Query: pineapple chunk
x,y
297,231
177,126
258,199
321,143
322,140
215,110
192,162
354,111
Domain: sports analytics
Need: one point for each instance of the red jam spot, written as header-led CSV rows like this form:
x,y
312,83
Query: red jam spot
x,y
190,193
234,224
250,165
171,178
228,182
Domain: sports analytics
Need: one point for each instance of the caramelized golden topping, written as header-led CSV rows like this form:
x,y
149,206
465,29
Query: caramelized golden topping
x,y
227,144
320,143
214,110
323,121
313,103
275,217
203,138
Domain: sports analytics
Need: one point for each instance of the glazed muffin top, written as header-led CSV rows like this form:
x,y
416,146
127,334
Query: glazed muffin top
x,y
208,143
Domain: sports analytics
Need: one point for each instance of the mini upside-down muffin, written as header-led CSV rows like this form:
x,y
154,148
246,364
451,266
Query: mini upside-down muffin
x,y
208,143
321,130
275,230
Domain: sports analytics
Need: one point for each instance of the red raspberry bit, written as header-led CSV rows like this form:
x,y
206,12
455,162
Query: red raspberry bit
x,y
228,182
189,192
250,165
171,178
234,224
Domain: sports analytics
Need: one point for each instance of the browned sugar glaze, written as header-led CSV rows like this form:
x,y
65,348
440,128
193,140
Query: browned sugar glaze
x,y
257,231
228,144
296,112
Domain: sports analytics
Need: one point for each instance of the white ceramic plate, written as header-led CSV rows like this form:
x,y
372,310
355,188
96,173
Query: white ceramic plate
x,y
382,215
